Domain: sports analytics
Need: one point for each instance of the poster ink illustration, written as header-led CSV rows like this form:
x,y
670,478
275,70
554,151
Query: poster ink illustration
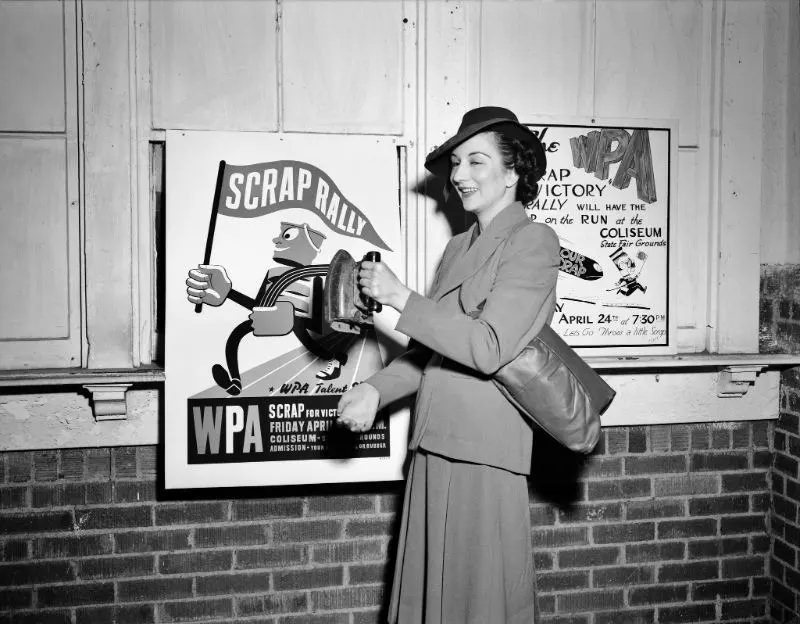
x,y
264,233
607,195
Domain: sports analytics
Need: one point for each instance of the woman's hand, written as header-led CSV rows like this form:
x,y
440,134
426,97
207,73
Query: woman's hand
x,y
357,407
379,282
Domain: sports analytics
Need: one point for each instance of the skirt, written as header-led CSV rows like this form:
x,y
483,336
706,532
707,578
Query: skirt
x,y
464,550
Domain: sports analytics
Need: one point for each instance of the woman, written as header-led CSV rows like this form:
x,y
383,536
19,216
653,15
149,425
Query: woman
x,y
464,549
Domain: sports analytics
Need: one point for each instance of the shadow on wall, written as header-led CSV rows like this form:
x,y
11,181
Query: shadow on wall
x,y
447,204
556,472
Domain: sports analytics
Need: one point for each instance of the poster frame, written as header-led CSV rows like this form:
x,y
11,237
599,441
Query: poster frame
x,y
645,123
179,475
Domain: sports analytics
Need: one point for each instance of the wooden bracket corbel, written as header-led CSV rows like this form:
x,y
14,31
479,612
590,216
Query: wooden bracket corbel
x,y
735,380
108,400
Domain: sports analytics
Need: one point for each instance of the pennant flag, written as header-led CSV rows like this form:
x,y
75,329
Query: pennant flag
x,y
255,190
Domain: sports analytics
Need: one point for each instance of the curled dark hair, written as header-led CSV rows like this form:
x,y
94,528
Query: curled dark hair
x,y
521,158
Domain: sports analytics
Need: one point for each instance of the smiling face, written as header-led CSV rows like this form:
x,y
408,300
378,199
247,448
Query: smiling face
x,y
480,177
293,245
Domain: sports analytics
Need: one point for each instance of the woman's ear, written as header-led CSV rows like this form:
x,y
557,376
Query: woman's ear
x,y
512,177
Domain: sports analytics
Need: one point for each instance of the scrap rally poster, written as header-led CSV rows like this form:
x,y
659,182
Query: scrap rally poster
x,y
262,229
607,194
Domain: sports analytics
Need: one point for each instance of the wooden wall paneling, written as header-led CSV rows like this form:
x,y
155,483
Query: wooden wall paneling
x,y
451,31
451,88
650,61
213,64
32,66
109,175
537,57
793,130
410,156
145,249
690,261
792,165
707,173
647,61
739,199
342,66
39,242
34,252
780,225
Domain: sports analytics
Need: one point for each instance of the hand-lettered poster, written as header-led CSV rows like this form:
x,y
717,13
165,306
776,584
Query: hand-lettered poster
x,y
607,194
264,233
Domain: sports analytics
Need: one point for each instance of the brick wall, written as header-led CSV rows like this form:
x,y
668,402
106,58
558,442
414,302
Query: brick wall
x,y
779,309
785,513
780,333
669,526
661,524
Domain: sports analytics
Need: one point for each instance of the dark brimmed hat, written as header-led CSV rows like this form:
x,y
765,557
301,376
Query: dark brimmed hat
x,y
478,120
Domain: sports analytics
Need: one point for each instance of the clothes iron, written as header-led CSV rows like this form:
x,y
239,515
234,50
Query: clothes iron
x,y
342,292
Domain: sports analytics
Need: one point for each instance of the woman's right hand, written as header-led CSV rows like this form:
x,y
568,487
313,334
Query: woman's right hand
x,y
378,281
358,406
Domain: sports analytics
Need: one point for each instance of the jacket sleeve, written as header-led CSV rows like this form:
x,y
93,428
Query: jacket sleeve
x,y
519,304
403,375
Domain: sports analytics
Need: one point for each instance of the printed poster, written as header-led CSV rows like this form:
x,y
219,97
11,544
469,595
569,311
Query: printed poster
x,y
607,194
264,233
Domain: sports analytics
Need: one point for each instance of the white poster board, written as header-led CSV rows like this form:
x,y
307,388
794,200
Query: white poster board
x,y
608,194
252,383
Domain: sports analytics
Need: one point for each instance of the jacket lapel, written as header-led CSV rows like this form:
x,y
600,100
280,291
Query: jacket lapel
x,y
450,262
464,262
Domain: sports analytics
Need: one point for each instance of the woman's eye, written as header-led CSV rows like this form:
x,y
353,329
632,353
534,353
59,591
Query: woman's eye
x,y
291,233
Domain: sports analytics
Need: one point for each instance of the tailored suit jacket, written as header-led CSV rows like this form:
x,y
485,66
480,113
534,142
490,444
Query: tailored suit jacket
x,y
487,301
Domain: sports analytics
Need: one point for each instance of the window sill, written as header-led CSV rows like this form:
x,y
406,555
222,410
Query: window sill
x,y
693,388
108,387
647,386
692,361
79,376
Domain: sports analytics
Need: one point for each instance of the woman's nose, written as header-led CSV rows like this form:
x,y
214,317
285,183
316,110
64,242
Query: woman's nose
x,y
456,172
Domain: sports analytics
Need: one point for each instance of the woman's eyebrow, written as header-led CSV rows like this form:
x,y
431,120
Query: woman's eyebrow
x,y
476,153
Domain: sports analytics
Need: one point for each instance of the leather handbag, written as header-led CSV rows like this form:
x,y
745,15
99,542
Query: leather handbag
x,y
555,388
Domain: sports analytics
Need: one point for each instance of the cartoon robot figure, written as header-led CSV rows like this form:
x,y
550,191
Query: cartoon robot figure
x,y
629,274
296,310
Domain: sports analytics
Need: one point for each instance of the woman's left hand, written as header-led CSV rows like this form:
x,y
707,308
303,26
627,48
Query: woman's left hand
x,y
379,282
357,407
